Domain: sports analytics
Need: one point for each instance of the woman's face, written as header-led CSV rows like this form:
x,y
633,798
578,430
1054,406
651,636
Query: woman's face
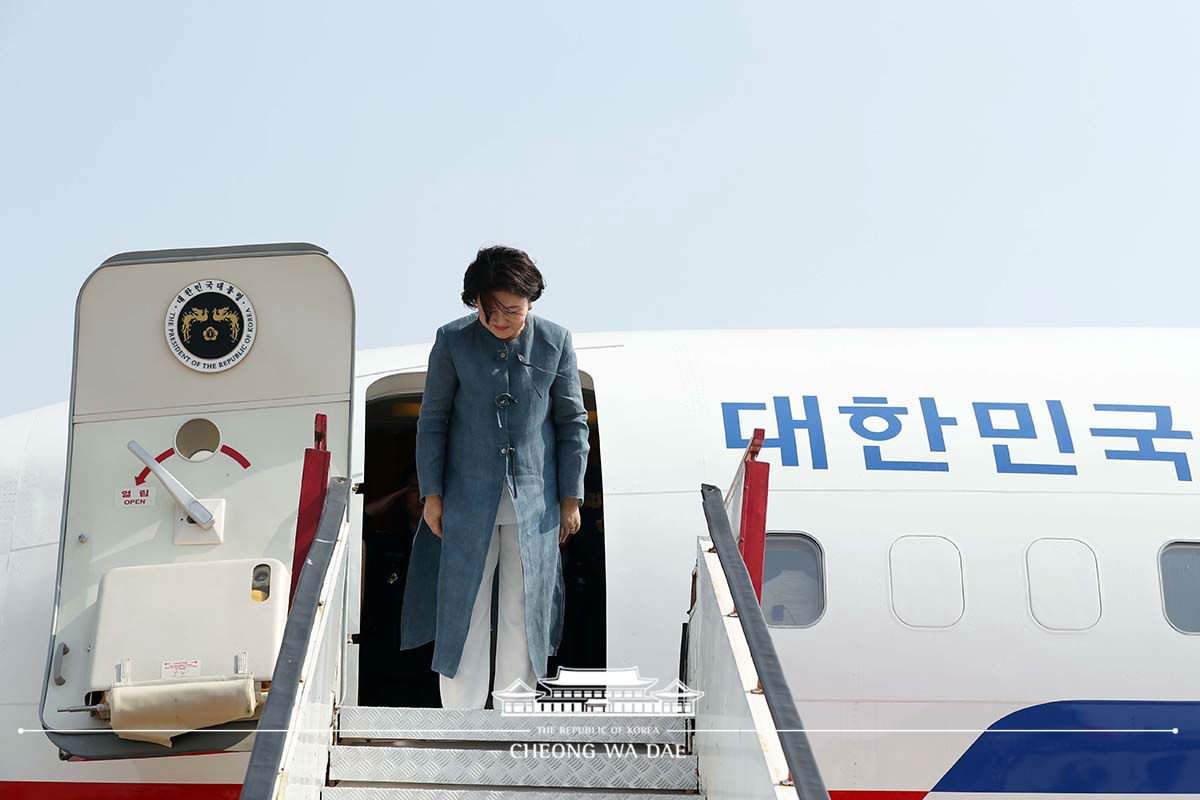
x,y
508,320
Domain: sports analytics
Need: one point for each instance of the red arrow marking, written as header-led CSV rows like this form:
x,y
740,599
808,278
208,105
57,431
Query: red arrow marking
x,y
161,457
165,454
236,456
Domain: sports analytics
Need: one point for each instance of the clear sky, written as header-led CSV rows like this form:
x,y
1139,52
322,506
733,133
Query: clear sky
x,y
668,165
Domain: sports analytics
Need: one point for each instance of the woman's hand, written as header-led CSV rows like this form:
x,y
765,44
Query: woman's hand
x,y
568,518
433,513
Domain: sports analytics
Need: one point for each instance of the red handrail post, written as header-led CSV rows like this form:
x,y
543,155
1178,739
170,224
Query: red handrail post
x,y
314,482
752,535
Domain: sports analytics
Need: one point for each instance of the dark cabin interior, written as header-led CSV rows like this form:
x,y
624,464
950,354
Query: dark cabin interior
x,y
389,676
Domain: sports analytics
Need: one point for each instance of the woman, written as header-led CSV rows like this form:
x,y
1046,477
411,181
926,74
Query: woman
x,y
502,446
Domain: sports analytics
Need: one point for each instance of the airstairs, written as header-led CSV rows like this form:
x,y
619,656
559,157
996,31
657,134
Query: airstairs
x,y
744,739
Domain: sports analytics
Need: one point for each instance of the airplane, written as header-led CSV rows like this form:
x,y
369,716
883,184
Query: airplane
x,y
979,573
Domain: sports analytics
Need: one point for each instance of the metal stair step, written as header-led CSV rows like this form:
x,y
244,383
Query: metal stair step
x,y
362,723
478,793
565,765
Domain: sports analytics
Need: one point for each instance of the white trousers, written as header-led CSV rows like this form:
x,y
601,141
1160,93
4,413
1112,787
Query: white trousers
x,y
469,686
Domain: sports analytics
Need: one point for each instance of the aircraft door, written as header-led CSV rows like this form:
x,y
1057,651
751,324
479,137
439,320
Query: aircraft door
x,y
199,380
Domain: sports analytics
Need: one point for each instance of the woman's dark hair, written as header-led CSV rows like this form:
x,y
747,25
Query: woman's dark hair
x,y
500,267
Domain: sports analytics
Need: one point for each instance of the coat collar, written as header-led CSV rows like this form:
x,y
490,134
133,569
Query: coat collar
x,y
521,343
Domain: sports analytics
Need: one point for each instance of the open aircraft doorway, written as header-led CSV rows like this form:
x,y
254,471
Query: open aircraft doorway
x,y
389,676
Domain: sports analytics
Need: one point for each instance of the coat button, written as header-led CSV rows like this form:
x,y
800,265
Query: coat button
x,y
503,451
502,354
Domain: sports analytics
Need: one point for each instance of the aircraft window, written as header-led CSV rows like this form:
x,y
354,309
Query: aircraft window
x,y
197,439
927,581
1180,567
1064,584
260,585
793,592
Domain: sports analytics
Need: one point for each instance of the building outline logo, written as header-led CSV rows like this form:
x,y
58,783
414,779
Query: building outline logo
x,y
597,691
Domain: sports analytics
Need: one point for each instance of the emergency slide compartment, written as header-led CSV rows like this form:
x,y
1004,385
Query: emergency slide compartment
x,y
207,386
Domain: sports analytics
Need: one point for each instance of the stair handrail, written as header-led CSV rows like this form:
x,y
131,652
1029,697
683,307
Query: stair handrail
x,y
313,590
801,762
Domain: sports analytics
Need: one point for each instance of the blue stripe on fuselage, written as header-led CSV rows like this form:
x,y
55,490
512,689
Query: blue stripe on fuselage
x,y
1133,762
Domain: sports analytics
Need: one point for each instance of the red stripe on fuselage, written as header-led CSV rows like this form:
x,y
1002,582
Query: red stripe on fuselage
x,y
87,790
80,790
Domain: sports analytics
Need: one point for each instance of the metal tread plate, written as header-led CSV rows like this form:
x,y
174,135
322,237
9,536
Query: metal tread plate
x,y
448,724
575,765
478,793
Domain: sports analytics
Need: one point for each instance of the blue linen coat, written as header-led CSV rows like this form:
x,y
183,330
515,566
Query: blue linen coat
x,y
494,410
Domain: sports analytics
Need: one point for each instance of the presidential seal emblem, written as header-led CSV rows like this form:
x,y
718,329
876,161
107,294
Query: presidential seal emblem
x,y
210,325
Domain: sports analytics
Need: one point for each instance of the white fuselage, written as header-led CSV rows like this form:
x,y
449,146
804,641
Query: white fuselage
x,y
996,553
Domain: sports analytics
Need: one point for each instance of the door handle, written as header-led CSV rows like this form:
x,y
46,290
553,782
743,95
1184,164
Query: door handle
x,y
59,652
194,508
